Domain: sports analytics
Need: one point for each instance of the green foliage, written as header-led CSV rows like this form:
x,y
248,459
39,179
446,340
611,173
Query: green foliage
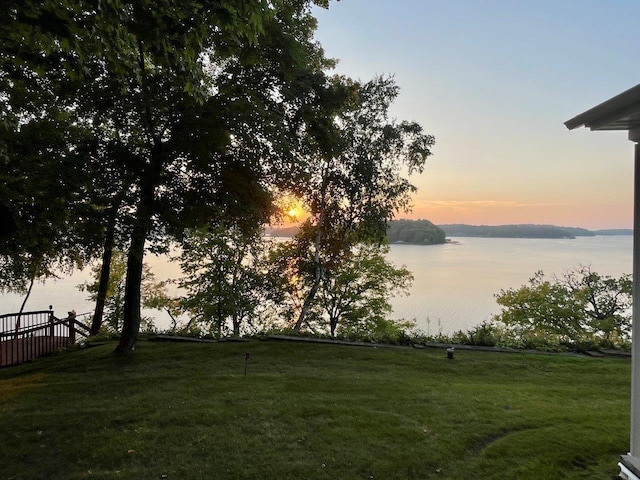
x,y
114,302
542,307
354,193
352,299
176,114
133,125
416,232
354,189
580,308
355,293
486,334
105,333
224,278
42,179
381,330
606,300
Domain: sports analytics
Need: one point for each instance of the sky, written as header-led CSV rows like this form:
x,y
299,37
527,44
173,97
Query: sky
x,y
494,82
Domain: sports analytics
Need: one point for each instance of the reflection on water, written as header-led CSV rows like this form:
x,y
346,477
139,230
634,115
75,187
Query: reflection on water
x,y
454,284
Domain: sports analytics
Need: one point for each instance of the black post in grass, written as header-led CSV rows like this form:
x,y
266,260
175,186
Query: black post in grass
x,y
247,357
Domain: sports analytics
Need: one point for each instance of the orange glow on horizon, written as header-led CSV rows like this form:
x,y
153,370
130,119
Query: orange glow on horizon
x,y
488,212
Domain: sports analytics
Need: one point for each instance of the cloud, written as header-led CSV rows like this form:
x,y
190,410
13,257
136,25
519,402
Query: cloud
x,y
478,204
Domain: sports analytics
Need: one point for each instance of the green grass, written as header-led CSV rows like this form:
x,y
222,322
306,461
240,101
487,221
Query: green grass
x,y
186,411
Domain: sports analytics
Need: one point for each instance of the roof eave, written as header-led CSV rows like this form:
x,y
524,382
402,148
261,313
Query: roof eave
x,y
608,114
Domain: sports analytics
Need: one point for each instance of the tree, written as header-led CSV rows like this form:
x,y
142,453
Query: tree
x,y
580,305
102,287
224,282
542,307
352,193
288,269
42,204
199,106
355,296
606,301
43,185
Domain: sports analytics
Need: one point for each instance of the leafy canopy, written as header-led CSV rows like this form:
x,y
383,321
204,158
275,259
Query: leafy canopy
x,y
580,306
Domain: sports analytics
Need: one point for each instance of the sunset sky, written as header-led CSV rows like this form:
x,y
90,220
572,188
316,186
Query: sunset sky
x,y
494,81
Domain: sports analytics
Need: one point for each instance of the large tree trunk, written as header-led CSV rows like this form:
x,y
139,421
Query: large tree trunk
x,y
131,321
135,257
148,183
105,271
133,282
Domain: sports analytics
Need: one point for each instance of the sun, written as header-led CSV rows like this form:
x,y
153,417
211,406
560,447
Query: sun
x,y
290,210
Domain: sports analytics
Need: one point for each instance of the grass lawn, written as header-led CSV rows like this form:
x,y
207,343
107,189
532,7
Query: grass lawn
x,y
308,411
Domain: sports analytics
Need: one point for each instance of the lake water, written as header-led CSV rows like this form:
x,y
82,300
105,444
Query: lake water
x,y
454,284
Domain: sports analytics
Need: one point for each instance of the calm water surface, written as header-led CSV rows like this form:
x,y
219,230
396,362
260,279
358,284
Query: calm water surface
x,y
454,284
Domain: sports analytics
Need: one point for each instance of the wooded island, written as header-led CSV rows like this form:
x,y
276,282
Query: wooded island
x,y
415,232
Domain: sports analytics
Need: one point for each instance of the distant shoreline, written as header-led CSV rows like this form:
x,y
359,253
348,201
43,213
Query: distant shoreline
x,y
530,231
527,231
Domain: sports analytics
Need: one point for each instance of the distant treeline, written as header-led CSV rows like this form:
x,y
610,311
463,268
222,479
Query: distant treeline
x,y
416,232
423,232
614,231
526,231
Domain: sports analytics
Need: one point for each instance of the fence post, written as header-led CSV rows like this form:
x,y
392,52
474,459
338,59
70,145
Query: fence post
x,y
72,326
3,362
51,320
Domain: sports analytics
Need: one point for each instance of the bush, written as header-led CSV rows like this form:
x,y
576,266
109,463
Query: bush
x,y
582,308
